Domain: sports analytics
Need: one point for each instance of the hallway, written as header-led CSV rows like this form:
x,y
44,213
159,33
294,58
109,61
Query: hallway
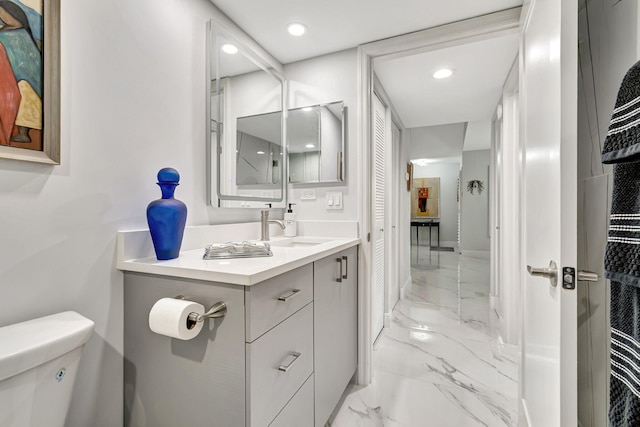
x,y
440,363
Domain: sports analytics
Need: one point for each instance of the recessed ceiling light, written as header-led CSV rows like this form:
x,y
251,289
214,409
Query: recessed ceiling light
x,y
229,48
296,29
443,73
260,152
310,146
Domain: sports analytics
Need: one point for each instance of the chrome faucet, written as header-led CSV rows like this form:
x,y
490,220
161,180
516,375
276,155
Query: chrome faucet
x,y
265,224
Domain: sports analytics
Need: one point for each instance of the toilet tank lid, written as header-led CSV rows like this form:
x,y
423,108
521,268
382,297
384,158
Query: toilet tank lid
x,y
25,345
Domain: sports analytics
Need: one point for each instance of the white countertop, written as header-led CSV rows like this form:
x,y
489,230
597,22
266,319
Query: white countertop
x,y
239,271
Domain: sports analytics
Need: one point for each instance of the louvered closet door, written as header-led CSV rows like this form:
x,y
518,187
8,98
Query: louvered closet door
x,y
379,158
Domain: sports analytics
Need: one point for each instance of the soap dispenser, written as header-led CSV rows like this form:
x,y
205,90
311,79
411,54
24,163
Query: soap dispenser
x,y
290,224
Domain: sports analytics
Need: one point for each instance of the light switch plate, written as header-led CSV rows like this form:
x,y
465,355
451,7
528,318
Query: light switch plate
x,y
334,200
309,194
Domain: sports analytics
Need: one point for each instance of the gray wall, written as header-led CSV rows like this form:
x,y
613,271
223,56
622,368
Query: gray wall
x,y
608,33
448,174
133,101
474,208
434,142
321,80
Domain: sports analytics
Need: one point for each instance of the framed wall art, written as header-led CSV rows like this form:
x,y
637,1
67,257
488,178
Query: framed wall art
x,y
409,175
30,80
425,200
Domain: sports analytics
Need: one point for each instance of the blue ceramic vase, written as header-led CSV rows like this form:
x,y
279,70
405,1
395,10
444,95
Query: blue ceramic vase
x,y
167,217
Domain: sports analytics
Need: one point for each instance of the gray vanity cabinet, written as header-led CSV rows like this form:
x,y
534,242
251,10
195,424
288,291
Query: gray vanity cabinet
x,y
169,382
282,356
335,329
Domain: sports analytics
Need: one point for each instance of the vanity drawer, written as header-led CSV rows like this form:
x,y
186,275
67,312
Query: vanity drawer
x,y
270,302
299,410
278,363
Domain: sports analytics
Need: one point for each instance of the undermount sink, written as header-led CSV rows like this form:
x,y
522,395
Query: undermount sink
x,y
299,242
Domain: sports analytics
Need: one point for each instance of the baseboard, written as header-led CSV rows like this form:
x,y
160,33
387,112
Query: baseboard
x,y
404,289
387,320
476,254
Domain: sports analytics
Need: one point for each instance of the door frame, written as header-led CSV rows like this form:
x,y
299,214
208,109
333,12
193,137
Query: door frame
x,y
467,31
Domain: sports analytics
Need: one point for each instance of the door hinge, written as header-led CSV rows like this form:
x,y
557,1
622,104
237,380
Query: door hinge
x,y
368,237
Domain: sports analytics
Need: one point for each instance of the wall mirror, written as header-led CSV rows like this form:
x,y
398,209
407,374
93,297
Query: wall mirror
x,y
316,143
247,160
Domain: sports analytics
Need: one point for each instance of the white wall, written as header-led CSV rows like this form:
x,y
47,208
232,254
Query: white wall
x,y
133,101
448,174
477,136
609,35
436,142
474,208
321,80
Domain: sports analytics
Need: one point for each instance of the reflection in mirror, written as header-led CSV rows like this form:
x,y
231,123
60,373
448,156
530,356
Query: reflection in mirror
x,y
315,142
259,151
246,156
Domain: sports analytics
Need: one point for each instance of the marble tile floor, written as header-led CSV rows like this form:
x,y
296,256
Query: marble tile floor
x,y
441,363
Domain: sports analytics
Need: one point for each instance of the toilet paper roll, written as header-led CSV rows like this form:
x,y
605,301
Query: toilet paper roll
x,y
168,316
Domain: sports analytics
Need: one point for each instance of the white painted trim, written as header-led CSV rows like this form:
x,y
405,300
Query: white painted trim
x,y
448,243
404,289
477,254
382,94
365,344
510,263
569,205
455,34
524,420
387,319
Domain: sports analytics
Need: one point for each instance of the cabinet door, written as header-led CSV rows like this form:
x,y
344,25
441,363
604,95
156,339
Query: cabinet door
x,y
299,410
278,363
169,382
335,329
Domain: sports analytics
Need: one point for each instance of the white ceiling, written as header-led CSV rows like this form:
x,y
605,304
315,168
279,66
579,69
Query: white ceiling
x,y
334,25
471,94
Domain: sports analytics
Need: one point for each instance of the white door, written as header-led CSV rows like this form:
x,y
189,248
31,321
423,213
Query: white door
x,y
393,213
548,382
379,162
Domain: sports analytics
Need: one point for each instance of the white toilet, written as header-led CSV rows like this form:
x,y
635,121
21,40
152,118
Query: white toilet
x,y
38,364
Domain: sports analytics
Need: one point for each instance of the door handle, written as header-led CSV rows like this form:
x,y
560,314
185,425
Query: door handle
x,y
339,279
550,272
346,267
290,295
587,276
285,368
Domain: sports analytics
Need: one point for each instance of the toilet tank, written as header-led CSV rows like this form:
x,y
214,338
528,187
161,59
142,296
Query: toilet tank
x,y
38,365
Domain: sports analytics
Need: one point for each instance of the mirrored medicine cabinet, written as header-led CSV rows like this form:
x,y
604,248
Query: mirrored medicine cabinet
x,y
315,142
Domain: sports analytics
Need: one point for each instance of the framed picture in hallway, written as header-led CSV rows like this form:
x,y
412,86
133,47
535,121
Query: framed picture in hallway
x,y
30,80
425,198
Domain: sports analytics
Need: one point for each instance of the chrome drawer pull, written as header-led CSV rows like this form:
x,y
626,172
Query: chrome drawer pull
x,y
346,266
290,295
339,279
285,368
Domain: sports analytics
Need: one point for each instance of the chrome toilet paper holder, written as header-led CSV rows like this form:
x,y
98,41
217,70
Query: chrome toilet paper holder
x,y
218,309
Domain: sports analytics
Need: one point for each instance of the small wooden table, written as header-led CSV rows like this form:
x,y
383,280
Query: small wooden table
x,y
426,223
